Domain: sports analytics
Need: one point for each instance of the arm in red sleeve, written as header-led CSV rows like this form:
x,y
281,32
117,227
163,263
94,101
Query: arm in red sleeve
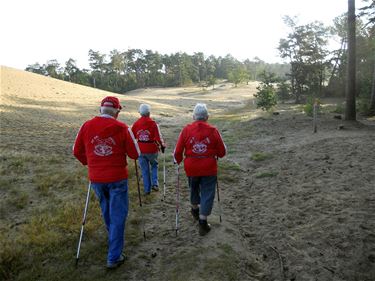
x,y
180,146
220,148
132,149
79,151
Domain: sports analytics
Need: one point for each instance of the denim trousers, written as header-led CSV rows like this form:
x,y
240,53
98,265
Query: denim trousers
x,y
202,192
149,169
114,203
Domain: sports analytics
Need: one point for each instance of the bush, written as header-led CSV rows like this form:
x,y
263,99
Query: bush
x,y
283,91
308,108
265,97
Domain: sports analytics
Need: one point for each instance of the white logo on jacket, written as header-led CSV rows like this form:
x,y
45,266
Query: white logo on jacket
x,y
103,147
143,135
199,147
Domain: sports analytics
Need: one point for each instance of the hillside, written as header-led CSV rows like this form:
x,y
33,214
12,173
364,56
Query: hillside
x,y
296,205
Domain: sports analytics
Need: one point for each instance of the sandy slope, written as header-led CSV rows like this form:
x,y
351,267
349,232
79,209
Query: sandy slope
x,y
311,218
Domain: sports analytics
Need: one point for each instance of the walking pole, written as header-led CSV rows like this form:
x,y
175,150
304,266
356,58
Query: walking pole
x,y
177,197
218,198
164,176
83,222
140,200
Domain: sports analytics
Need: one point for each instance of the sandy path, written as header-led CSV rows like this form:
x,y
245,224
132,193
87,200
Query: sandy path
x,y
312,219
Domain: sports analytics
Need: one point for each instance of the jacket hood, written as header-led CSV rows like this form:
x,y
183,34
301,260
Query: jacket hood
x,y
110,128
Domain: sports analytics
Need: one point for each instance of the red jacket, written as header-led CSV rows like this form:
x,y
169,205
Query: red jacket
x,y
103,143
148,135
201,144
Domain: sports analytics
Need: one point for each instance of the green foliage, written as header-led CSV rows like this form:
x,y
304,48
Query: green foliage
x,y
266,175
339,109
237,75
308,108
260,156
266,95
283,91
121,71
306,49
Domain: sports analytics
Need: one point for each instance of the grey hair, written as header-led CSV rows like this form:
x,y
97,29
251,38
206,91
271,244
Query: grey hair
x,y
144,109
108,110
200,112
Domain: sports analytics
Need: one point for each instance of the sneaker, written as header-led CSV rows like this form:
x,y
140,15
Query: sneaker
x,y
204,227
120,261
155,188
195,213
147,193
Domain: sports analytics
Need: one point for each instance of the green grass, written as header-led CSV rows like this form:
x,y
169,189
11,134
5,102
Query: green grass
x,y
266,175
227,171
260,156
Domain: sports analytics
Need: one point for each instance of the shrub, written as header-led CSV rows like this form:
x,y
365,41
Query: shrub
x,y
283,91
265,97
308,108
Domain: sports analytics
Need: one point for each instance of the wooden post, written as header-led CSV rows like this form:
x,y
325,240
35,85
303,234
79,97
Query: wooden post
x,y
315,116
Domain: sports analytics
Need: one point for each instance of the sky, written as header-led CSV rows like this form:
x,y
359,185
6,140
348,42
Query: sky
x,y
41,30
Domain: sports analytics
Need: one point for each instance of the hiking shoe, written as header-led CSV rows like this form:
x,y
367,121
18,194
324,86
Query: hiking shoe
x,y
147,193
120,261
204,227
155,188
195,213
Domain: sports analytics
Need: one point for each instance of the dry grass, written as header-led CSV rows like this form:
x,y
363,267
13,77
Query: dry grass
x,y
43,188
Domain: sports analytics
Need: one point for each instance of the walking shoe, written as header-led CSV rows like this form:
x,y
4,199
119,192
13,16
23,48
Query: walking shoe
x,y
147,193
195,213
155,188
120,261
204,227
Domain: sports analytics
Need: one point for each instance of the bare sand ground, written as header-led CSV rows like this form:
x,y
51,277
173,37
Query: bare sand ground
x,y
305,211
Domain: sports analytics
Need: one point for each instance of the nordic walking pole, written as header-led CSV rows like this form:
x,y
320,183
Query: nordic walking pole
x,y
164,176
218,198
177,197
83,223
140,200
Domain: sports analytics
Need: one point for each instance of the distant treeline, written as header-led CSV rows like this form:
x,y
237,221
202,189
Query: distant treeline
x,y
124,71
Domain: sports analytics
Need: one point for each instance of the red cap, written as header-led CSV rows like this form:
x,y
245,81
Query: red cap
x,y
111,102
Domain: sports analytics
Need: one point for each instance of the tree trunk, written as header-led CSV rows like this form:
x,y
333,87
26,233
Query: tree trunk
x,y
350,112
372,103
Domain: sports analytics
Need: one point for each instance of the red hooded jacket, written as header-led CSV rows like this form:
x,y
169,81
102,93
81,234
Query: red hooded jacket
x,y
148,135
201,145
103,143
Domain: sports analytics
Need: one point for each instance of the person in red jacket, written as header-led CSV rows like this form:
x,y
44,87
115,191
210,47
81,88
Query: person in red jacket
x,y
200,145
148,135
103,143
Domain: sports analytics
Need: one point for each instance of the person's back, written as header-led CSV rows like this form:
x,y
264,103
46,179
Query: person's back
x,y
200,145
103,143
147,132
149,138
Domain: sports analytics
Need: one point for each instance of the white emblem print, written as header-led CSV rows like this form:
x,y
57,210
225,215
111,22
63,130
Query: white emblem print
x,y
143,135
199,147
103,147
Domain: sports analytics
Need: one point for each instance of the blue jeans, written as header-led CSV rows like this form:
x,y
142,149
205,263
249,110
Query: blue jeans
x,y
202,192
114,202
149,178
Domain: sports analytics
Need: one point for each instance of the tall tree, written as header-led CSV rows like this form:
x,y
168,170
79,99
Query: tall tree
x,y
350,112
372,102
306,49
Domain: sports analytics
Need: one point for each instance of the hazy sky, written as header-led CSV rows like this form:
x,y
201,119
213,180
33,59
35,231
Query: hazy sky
x,y
39,30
